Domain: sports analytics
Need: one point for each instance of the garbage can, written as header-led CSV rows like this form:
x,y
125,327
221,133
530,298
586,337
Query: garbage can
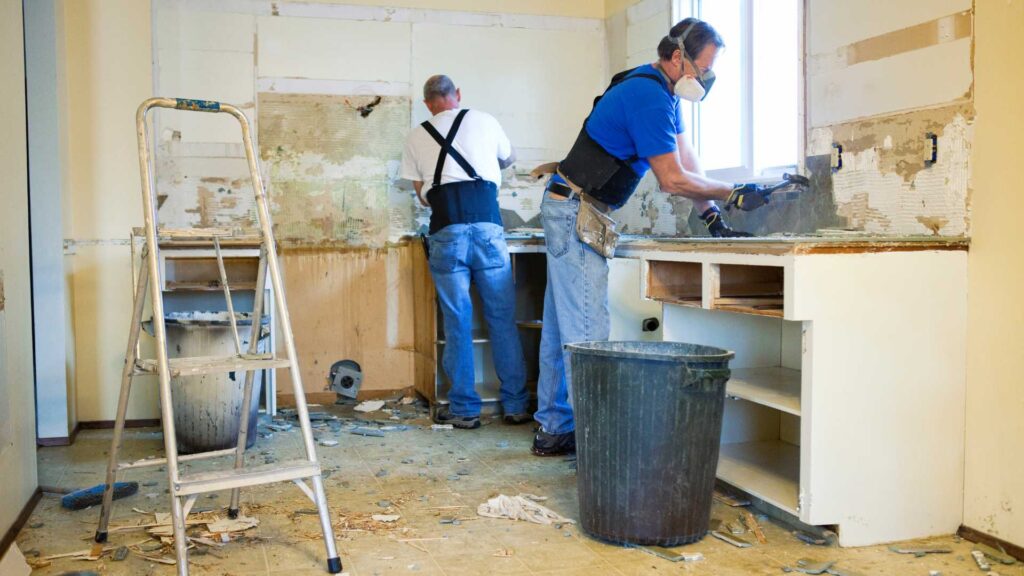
x,y
648,424
208,407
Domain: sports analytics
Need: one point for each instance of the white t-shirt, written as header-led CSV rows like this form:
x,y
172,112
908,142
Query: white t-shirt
x,y
480,140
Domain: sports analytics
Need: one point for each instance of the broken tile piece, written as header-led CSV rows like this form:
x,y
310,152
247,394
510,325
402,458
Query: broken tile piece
x,y
369,406
387,518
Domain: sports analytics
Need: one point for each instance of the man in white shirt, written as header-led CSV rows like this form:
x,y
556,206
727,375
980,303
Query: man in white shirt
x,y
460,154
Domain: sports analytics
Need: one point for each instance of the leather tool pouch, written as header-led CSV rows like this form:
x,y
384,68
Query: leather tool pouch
x,y
596,229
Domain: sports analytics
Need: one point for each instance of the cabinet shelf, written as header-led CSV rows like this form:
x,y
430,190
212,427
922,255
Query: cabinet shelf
x,y
479,337
213,286
769,470
774,387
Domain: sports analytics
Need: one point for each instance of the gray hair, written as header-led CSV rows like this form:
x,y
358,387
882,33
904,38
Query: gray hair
x,y
438,86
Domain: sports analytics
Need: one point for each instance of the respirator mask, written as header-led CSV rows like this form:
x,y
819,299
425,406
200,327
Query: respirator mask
x,y
689,88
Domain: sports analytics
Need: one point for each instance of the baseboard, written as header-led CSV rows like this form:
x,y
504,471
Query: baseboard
x,y
19,522
974,535
105,424
60,440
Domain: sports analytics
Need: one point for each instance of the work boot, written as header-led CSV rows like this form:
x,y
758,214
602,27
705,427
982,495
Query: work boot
x,y
518,418
444,416
545,444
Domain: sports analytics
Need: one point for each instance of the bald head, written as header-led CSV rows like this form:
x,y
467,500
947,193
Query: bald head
x,y
440,94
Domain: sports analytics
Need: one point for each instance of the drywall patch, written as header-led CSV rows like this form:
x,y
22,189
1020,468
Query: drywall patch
x,y
332,172
887,187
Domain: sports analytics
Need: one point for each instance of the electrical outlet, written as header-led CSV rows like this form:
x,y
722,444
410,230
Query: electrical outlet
x,y
931,148
837,157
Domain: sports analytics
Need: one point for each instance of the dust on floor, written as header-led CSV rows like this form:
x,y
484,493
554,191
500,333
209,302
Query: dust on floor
x,y
433,481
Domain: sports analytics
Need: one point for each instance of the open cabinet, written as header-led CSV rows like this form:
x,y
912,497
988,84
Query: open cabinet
x,y
845,404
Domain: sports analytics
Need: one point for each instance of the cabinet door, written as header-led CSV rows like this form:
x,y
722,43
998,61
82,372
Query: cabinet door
x,y
626,305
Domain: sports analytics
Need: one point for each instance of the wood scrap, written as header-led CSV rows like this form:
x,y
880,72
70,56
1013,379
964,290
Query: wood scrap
x,y
754,527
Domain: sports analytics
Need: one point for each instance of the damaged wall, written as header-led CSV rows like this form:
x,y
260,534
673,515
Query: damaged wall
x,y
875,89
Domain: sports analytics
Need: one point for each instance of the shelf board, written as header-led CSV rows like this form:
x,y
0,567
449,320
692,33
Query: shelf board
x,y
769,470
774,387
490,391
691,302
761,306
536,324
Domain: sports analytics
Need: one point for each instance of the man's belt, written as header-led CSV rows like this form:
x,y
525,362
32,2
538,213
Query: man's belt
x,y
567,190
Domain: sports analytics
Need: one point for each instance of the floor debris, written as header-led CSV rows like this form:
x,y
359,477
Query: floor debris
x,y
730,539
979,559
670,554
754,527
364,431
387,518
369,406
997,555
806,566
730,499
521,507
442,427
504,553
920,552
328,443
810,538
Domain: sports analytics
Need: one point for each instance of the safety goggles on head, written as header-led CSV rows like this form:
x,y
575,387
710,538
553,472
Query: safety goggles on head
x,y
705,79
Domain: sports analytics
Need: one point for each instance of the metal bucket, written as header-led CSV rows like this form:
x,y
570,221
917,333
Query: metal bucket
x,y
208,408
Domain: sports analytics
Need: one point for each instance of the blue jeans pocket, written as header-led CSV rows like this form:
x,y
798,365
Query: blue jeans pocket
x,y
558,233
444,254
491,250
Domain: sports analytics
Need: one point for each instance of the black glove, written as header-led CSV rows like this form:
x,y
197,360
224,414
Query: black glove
x,y
748,196
712,218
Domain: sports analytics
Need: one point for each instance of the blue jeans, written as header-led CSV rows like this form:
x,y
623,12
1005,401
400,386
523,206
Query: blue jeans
x,y
575,310
461,254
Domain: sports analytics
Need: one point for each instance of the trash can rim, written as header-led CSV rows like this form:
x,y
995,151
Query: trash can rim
x,y
613,348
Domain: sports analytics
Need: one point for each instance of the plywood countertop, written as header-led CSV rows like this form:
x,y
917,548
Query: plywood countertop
x,y
772,245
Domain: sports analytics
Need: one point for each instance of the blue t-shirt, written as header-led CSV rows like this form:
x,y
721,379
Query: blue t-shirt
x,y
637,117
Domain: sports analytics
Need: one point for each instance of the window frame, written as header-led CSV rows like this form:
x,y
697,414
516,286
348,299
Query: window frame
x,y
747,171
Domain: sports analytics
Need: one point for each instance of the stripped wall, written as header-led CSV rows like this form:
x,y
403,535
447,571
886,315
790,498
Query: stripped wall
x,y
878,87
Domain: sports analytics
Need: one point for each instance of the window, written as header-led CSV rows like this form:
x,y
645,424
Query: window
x,y
749,126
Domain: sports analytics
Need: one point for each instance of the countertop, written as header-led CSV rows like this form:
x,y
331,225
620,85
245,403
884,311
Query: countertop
x,y
781,244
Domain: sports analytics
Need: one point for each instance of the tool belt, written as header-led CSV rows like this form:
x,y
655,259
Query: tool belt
x,y
594,226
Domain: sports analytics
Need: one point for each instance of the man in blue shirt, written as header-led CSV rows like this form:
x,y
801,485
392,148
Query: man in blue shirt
x,y
635,125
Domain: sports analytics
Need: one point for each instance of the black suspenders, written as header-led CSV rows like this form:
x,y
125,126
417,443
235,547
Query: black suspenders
x,y
447,149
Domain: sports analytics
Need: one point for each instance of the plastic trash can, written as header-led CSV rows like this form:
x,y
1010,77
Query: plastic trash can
x,y
648,426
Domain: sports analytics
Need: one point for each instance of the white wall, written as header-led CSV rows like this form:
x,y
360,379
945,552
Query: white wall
x,y
17,408
108,67
994,499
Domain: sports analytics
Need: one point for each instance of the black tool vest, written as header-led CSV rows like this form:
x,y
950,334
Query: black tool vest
x,y
466,202
600,174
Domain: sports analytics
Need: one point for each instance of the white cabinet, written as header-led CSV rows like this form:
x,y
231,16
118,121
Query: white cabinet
x,y
846,402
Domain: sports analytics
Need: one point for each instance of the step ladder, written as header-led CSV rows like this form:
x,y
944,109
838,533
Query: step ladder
x,y
185,488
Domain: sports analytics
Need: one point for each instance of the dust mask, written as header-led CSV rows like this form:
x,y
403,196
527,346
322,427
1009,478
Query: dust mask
x,y
688,88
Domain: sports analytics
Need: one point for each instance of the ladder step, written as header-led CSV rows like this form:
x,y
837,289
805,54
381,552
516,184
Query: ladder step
x,y
242,477
213,364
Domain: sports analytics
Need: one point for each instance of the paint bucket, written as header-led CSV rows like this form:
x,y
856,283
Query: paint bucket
x,y
648,426
208,407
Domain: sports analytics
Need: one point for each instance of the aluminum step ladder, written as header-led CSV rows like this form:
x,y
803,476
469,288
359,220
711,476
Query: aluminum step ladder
x,y
185,488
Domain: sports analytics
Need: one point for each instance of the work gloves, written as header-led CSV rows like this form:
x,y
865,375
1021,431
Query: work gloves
x,y
748,196
712,218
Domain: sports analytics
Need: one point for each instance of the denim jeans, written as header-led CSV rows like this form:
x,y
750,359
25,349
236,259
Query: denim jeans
x,y
575,310
464,254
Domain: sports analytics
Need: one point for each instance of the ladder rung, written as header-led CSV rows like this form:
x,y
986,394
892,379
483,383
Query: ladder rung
x,y
241,477
182,458
213,364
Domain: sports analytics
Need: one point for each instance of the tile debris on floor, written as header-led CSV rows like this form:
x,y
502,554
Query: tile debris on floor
x,y
404,498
